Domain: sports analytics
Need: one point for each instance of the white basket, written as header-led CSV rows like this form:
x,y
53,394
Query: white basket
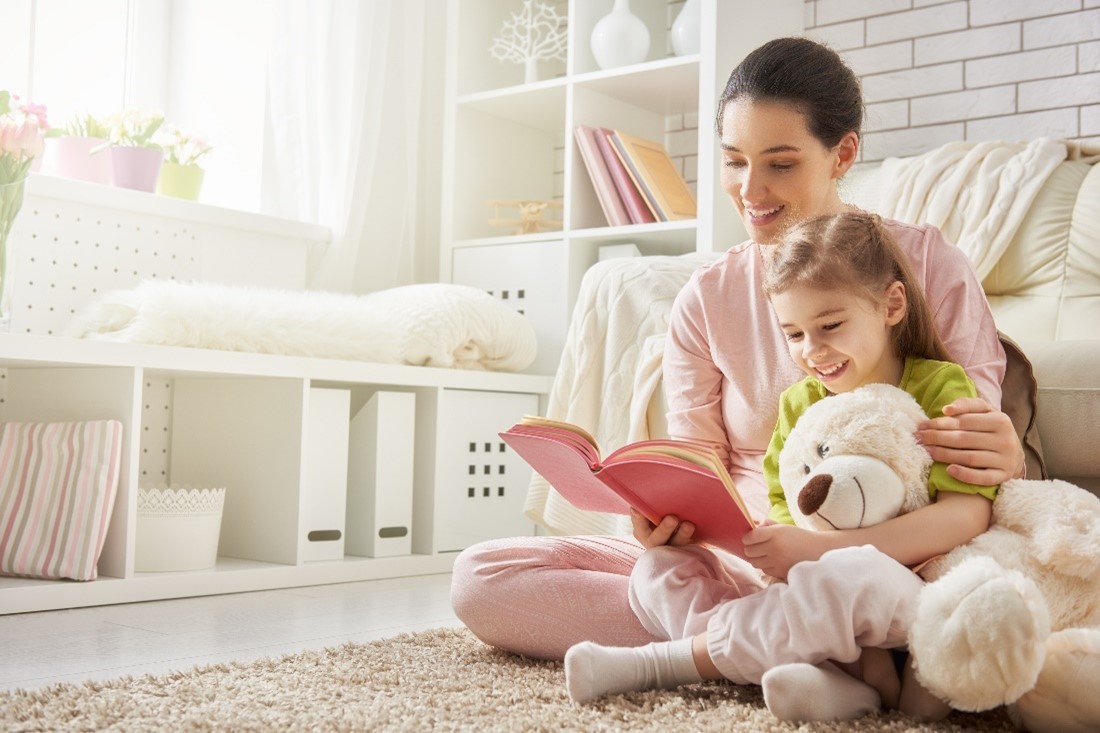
x,y
178,529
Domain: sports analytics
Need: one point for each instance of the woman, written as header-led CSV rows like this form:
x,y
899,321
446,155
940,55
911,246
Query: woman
x,y
789,122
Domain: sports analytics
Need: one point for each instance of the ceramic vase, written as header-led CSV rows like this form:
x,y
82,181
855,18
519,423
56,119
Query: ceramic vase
x,y
620,38
136,167
685,29
181,181
82,158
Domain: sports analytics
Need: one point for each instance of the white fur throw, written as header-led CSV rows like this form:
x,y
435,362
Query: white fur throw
x,y
437,324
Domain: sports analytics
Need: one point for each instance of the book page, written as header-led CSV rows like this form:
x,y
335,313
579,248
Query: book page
x,y
659,484
568,462
549,422
696,454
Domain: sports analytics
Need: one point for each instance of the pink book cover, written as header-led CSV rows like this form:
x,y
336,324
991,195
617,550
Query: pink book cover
x,y
654,484
632,198
606,193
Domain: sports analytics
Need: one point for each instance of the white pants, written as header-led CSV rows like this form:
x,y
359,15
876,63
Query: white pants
x,y
826,610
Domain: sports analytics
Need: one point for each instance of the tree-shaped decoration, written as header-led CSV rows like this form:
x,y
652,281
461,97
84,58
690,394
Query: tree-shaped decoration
x,y
535,32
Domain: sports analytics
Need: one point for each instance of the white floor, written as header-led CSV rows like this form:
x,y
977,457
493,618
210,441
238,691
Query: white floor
x,y
37,649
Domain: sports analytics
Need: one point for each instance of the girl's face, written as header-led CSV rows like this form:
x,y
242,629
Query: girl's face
x,y
841,338
775,171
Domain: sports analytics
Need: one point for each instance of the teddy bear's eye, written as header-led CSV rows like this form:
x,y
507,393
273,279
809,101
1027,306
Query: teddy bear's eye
x,y
805,469
822,450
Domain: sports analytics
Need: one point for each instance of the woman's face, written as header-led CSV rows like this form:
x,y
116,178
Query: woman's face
x,y
774,169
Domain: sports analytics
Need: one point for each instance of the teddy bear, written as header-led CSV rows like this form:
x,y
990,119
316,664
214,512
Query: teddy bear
x,y
1012,617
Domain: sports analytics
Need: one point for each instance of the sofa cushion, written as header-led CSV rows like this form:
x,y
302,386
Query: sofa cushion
x,y
1046,270
1068,407
1081,303
57,489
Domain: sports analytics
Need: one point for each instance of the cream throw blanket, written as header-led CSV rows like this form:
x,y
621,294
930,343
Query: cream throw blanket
x,y
610,370
977,193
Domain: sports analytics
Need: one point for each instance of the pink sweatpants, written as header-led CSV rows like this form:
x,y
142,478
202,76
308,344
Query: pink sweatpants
x,y
538,596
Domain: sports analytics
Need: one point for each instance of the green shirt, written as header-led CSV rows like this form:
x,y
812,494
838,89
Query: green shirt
x,y
932,383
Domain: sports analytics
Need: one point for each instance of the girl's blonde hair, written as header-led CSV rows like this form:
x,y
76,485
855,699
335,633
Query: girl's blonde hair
x,y
852,251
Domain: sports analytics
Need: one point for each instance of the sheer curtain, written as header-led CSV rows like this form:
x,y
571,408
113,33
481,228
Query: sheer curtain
x,y
344,131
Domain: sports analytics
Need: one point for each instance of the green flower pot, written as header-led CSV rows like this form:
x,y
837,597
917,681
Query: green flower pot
x,y
181,181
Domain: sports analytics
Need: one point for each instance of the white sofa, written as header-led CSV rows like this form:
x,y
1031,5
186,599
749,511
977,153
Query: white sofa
x,y
1045,295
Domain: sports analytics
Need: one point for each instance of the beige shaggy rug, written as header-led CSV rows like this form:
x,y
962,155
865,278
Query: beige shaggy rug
x,y
439,680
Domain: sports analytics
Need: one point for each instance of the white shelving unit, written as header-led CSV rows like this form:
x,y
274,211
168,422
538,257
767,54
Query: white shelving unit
x,y
240,420
202,418
508,140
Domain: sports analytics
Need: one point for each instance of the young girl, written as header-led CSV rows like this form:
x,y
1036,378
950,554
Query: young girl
x,y
852,314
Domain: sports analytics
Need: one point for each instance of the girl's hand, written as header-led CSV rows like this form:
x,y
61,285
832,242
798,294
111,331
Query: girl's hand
x,y
775,548
671,531
977,442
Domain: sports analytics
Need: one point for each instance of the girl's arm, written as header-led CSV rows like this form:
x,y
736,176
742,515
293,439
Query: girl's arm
x,y
954,519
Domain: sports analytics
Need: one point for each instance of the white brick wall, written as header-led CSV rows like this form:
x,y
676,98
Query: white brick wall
x,y
934,71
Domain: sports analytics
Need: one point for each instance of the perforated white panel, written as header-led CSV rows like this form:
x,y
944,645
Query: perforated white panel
x,y
156,421
64,253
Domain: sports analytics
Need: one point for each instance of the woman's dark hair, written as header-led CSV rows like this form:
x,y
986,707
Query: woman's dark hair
x,y
806,74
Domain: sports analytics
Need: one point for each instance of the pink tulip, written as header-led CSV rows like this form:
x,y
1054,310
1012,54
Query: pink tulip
x,y
30,138
9,144
37,111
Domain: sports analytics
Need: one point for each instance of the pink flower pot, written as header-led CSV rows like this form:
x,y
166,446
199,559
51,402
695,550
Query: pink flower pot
x,y
135,167
72,157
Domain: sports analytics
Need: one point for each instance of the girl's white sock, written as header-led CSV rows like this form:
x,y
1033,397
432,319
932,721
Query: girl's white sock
x,y
801,692
592,671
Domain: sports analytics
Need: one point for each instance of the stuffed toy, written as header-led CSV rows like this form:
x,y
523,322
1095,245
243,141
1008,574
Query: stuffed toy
x,y
1012,617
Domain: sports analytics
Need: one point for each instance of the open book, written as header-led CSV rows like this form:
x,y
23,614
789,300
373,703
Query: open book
x,y
655,477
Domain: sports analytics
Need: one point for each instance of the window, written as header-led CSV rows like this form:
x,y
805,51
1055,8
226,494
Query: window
x,y
203,62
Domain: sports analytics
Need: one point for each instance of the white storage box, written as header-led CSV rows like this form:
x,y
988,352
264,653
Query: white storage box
x,y
380,476
178,529
324,475
533,278
468,486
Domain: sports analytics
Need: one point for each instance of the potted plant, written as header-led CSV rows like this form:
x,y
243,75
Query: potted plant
x,y
180,174
79,151
135,157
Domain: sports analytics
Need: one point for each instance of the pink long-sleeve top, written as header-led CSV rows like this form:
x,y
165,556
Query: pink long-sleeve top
x,y
726,361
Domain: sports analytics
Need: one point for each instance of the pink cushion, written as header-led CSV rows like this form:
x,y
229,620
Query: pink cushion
x,y
57,488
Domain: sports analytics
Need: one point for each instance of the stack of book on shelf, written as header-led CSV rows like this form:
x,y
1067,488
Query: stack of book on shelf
x,y
635,180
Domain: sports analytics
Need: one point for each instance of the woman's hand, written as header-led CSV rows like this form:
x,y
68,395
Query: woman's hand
x,y
775,548
977,442
671,531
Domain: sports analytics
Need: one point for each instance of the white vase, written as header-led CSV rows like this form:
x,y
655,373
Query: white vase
x,y
620,38
685,29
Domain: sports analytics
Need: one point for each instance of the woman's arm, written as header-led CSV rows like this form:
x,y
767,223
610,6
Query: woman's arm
x,y
977,441
954,519
692,381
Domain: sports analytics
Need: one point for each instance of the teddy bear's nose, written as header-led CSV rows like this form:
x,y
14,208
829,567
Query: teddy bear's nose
x,y
814,493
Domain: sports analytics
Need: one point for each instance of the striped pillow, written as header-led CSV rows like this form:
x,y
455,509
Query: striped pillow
x,y
57,488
